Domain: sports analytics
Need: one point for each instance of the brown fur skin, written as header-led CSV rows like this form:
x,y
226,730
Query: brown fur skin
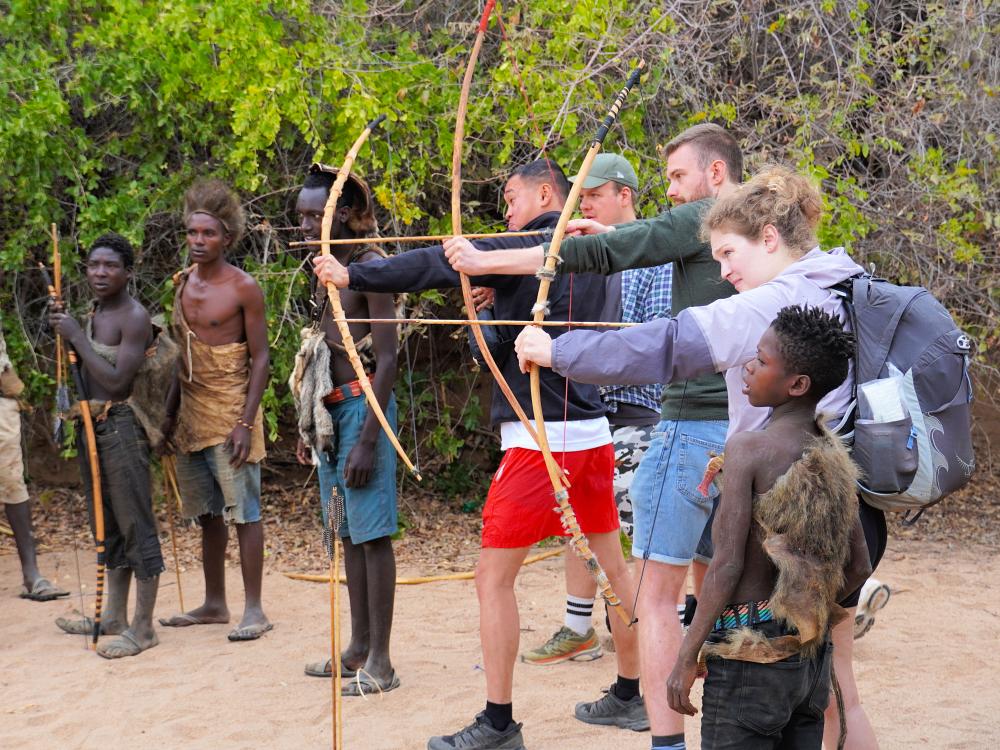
x,y
806,517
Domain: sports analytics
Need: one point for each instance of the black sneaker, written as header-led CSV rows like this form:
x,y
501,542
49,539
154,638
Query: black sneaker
x,y
611,711
480,735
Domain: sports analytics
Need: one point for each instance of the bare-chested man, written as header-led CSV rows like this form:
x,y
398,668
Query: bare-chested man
x,y
213,410
354,456
113,350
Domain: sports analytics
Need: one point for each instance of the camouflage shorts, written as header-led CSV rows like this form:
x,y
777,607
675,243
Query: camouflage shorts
x,y
631,442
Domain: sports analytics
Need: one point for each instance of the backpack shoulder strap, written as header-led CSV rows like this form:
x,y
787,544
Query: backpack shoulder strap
x,y
881,305
845,290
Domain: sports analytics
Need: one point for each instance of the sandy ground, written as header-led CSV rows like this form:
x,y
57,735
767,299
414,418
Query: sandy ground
x,y
927,670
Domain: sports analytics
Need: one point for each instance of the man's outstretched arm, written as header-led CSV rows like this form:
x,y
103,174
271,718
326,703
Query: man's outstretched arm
x,y
594,248
411,271
660,351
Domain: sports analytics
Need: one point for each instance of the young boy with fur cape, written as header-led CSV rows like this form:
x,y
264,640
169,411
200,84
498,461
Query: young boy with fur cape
x,y
788,546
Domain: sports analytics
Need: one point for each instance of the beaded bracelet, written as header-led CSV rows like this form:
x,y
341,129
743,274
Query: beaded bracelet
x,y
242,423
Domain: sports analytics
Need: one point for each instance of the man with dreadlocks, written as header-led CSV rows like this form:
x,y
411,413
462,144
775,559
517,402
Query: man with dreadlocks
x,y
213,408
342,435
788,546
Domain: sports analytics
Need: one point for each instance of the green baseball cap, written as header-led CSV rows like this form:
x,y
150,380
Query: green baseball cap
x,y
610,168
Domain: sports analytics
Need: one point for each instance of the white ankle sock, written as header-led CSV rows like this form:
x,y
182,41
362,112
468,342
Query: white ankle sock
x,y
578,614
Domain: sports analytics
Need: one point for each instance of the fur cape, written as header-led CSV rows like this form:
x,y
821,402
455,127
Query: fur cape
x,y
806,518
309,382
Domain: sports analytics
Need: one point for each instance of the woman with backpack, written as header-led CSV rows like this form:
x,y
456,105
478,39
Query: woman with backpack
x,y
764,238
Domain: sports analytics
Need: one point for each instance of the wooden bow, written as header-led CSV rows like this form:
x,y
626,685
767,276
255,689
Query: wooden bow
x,y
331,540
456,229
577,539
334,294
90,441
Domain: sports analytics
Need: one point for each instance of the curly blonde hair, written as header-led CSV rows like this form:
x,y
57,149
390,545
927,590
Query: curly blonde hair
x,y
778,196
213,197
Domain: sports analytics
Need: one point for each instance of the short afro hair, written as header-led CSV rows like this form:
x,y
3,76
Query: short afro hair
x,y
117,244
814,343
214,198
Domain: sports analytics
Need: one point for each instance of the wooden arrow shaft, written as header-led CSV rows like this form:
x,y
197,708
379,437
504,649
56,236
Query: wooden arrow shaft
x,y
413,238
463,322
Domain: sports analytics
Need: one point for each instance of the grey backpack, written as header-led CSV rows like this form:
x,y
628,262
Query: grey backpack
x,y
912,395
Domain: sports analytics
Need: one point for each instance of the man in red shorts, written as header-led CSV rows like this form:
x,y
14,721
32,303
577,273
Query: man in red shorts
x,y
519,507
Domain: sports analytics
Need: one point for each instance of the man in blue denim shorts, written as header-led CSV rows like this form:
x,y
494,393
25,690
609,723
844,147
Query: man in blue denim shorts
x,y
670,514
354,457
219,323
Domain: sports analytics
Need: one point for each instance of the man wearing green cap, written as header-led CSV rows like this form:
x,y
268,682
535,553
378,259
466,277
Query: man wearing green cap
x,y
633,296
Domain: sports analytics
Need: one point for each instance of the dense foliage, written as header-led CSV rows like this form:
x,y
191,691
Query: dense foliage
x,y
109,109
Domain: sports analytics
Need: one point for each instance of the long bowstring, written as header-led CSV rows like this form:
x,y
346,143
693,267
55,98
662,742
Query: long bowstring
x,y
406,337
542,153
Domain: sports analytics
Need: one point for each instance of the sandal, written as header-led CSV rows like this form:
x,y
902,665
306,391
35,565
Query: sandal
x,y
42,590
325,669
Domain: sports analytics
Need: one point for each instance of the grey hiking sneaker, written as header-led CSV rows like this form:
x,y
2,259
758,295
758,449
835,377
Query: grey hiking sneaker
x,y
565,644
480,735
610,710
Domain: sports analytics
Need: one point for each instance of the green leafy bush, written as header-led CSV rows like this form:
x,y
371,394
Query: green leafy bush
x,y
108,110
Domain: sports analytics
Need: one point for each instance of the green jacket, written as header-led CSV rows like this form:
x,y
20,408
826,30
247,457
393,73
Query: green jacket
x,y
672,237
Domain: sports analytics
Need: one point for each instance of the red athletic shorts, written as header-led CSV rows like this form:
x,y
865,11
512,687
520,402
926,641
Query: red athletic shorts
x,y
521,508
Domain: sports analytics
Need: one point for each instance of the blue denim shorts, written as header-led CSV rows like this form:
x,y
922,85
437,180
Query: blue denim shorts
x,y
671,515
369,511
211,487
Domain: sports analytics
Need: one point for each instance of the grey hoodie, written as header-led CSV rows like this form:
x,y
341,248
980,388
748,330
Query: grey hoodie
x,y
718,337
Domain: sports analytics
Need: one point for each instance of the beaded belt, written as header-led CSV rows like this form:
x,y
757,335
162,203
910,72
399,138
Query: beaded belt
x,y
744,615
343,392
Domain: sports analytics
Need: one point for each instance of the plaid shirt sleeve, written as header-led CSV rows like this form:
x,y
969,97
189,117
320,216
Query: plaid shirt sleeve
x,y
645,297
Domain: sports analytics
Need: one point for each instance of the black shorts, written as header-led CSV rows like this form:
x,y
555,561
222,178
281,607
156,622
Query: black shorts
x,y
876,537
131,538
765,706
